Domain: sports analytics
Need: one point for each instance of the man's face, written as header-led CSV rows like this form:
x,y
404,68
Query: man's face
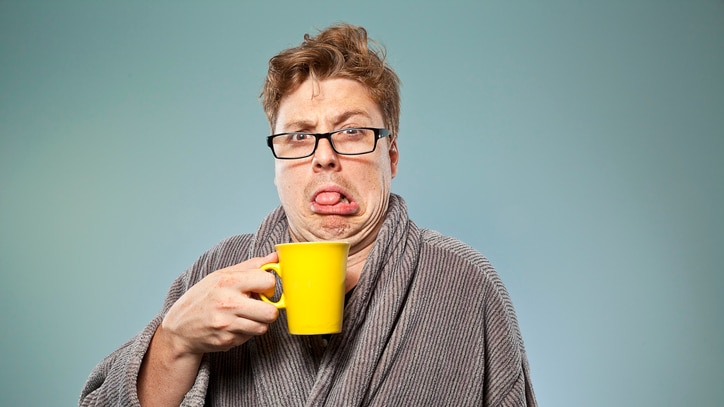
x,y
329,196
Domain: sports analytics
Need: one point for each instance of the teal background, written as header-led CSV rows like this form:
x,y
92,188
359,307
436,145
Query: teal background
x,y
578,145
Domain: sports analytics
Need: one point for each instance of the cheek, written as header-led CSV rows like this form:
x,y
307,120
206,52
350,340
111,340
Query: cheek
x,y
282,174
387,171
378,183
277,173
281,181
289,184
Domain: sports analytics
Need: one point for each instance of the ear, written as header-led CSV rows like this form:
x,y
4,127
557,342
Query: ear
x,y
394,157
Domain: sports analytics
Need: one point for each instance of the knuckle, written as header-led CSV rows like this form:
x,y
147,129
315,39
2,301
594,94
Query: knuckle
x,y
224,304
223,342
218,322
225,280
257,328
272,313
262,329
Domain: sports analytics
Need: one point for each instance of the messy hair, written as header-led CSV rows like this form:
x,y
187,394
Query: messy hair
x,y
340,51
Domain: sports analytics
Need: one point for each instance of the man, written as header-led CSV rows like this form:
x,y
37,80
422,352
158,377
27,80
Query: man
x,y
427,319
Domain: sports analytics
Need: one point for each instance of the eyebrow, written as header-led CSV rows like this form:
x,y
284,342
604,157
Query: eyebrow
x,y
341,117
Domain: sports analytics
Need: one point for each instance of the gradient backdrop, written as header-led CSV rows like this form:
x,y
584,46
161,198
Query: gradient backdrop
x,y
579,146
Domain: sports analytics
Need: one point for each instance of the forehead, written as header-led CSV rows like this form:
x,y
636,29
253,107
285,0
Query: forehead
x,y
325,103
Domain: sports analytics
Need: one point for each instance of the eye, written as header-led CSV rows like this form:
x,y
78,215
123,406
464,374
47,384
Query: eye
x,y
351,132
299,137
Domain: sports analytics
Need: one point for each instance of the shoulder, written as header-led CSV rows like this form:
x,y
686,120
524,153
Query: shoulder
x,y
438,248
448,258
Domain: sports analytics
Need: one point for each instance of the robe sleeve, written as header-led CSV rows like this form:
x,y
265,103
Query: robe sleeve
x,y
507,381
113,381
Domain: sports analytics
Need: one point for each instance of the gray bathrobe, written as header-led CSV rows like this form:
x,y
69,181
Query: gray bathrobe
x,y
429,324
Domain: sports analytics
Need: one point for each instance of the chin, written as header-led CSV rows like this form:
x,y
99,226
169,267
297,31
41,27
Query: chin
x,y
335,227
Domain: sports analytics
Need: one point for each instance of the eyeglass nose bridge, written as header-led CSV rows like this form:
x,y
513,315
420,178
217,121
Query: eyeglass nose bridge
x,y
326,136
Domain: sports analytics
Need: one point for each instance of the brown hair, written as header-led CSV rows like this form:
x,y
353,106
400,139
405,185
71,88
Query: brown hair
x,y
340,51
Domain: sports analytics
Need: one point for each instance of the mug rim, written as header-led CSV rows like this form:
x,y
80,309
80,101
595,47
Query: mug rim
x,y
332,242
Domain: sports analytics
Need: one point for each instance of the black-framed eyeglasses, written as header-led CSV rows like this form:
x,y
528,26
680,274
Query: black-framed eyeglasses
x,y
351,141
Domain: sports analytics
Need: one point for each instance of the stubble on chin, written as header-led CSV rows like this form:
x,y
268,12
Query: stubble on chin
x,y
335,227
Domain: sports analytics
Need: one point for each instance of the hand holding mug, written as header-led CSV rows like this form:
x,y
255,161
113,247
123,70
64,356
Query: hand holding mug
x,y
221,311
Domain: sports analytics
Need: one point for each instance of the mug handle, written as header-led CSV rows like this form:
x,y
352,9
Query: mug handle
x,y
281,303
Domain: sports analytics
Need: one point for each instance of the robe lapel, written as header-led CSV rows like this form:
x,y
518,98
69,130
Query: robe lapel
x,y
360,356
283,367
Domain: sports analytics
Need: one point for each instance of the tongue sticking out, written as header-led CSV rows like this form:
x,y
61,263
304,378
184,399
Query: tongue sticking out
x,y
329,198
333,203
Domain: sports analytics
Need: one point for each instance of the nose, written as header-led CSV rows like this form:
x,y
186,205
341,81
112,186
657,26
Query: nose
x,y
325,157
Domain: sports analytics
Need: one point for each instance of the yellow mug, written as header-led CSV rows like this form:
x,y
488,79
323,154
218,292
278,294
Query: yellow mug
x,y
312,275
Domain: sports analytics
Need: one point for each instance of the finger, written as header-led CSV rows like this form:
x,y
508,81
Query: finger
x,y
270,289
258,281
247,276
257,262
253,263
257,311
247,327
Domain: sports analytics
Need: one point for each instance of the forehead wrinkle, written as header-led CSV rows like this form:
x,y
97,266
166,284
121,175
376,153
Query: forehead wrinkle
x,y
297,125
348,114
336,120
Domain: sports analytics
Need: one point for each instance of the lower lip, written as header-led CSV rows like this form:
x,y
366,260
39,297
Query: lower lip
x,y
336,209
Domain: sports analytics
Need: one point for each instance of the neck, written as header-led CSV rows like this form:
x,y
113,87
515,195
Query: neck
x,y
358,257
